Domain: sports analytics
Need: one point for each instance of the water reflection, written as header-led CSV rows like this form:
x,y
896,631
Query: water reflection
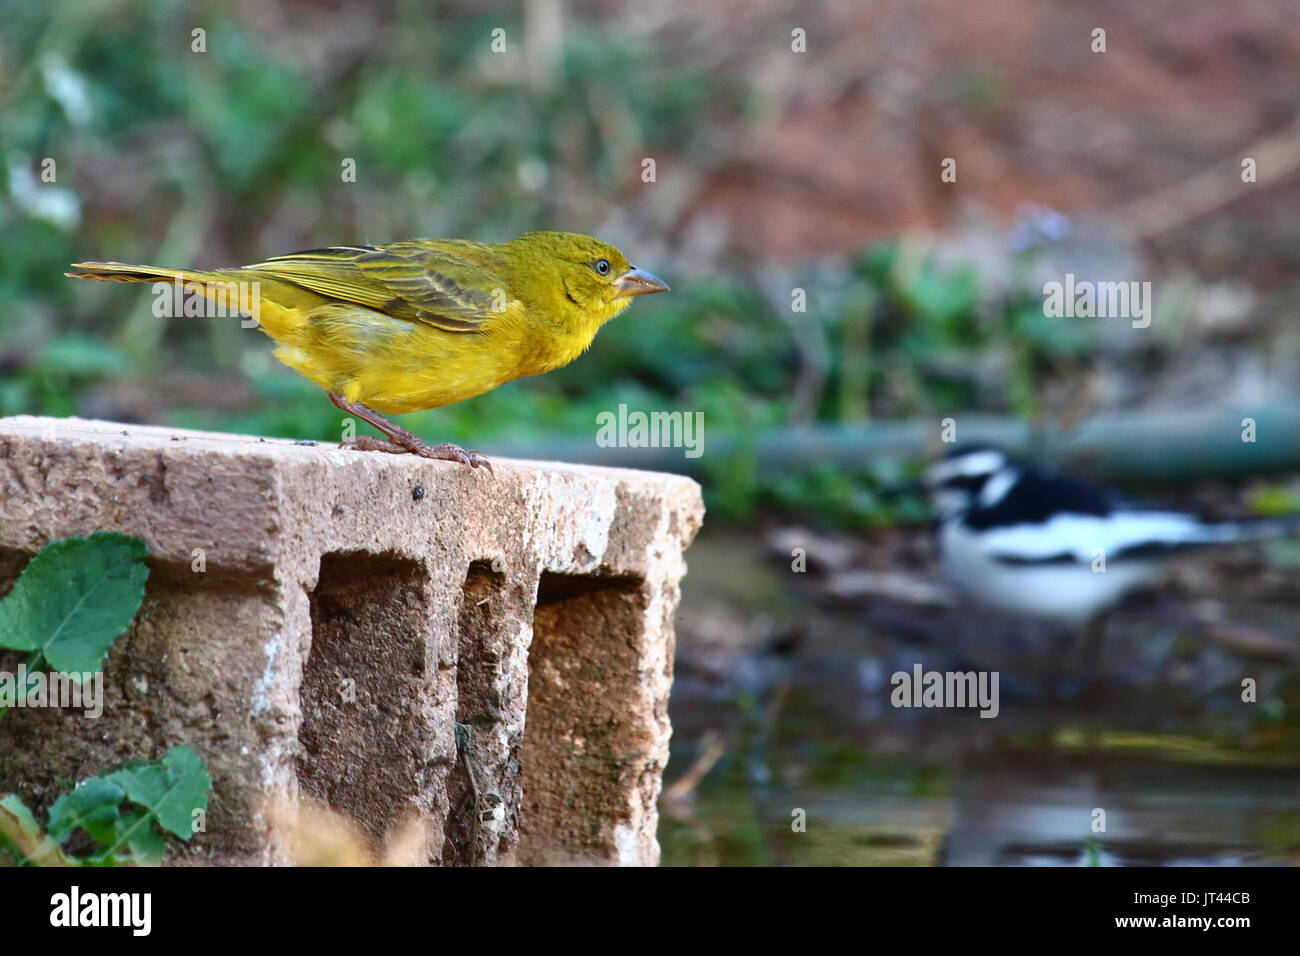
x,y
791,698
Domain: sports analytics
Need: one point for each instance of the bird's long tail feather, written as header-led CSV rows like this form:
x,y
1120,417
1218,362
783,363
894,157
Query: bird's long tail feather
x,y
233,291
123,272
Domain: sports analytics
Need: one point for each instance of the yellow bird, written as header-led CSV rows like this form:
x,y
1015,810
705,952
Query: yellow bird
x,y
414,325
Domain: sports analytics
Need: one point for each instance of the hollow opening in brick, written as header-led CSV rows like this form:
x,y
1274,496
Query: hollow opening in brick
x,y
477,779
584,745
363,690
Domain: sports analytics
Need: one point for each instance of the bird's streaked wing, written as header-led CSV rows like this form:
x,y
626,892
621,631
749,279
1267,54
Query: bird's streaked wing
x,y
404,280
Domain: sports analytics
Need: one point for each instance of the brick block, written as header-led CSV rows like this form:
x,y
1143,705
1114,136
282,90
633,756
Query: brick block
x,y
354,609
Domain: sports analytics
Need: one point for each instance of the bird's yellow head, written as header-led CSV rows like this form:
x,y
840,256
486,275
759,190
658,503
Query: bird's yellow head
x,y
576,279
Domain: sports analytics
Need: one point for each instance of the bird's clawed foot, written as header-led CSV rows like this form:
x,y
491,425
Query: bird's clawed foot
x,y
400,441
449,452
414,446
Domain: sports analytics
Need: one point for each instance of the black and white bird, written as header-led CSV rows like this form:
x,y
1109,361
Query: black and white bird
x,y
1028,541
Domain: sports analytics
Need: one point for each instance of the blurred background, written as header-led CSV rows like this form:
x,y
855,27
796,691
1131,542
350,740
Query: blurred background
x,y
774,171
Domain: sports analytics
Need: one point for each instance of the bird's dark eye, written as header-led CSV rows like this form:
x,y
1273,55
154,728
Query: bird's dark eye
x,y
602,266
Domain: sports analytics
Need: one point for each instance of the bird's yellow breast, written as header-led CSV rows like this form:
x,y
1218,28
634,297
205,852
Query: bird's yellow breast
x,y
396,365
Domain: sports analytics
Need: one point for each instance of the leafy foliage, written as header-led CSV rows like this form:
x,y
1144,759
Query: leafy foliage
x,y
125,813
73,600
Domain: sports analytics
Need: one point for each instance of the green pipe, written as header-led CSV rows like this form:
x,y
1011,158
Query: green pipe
x,y
1141,446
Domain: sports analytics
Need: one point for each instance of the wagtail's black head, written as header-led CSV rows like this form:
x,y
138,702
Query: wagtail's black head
x,y
956,481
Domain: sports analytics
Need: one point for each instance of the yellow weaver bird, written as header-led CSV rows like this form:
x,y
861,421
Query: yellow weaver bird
x,y
414,325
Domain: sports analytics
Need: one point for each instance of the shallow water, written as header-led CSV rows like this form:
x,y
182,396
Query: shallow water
x,y
1159,763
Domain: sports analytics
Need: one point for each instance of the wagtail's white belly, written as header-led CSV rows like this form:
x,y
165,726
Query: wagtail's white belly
x,y
1066,590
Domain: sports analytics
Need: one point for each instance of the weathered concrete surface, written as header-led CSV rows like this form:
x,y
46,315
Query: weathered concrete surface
x,y
354,607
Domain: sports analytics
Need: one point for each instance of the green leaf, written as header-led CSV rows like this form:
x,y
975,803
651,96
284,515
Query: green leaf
x,y
942,298
877,262
135,831
93,807
165,793
74,599
170,789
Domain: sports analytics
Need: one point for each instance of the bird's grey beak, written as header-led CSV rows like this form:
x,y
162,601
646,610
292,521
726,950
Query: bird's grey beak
x,y
639,282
